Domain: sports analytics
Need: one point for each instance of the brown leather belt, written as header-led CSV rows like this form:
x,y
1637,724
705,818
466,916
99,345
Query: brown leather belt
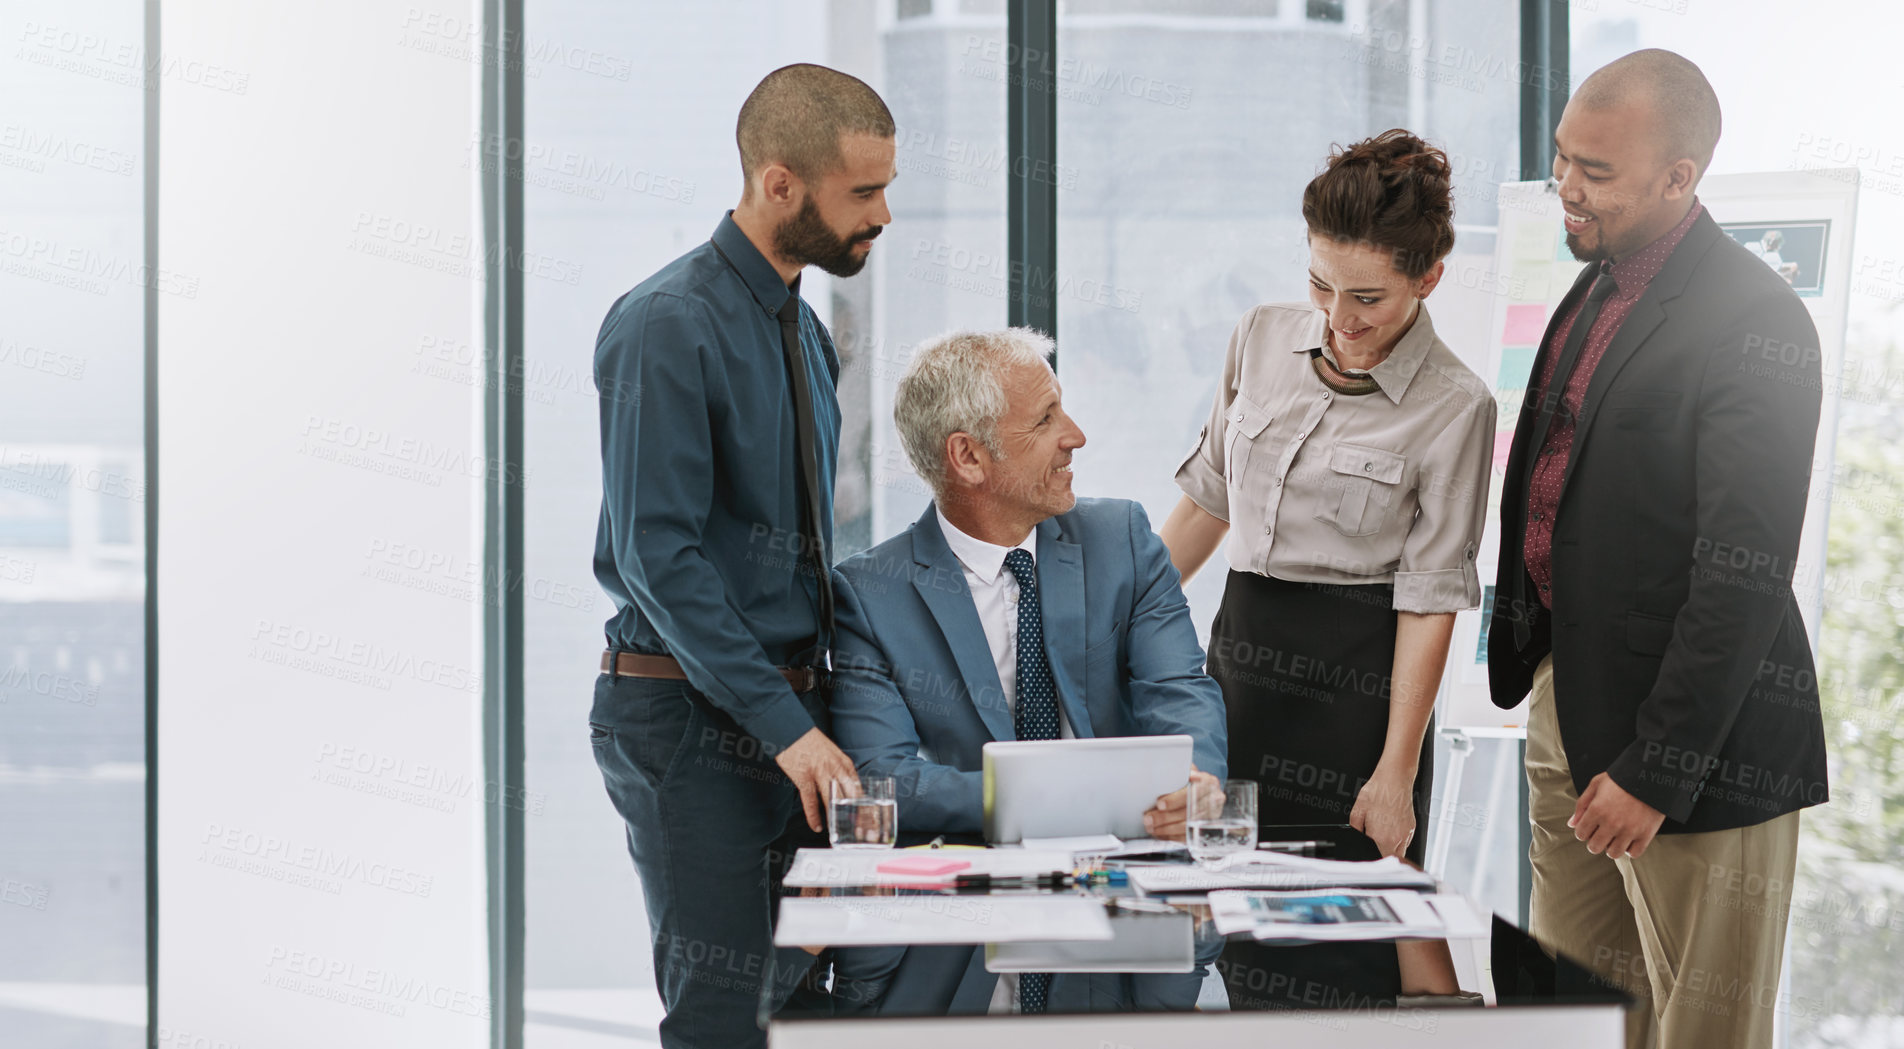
x,y
637,664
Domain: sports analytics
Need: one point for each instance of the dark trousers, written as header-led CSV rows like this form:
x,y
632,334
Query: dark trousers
x,y
707,812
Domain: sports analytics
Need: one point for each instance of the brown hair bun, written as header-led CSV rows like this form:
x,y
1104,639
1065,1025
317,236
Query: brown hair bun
x,y
1391,191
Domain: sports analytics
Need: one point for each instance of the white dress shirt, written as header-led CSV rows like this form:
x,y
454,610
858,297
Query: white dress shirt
x,y
995,595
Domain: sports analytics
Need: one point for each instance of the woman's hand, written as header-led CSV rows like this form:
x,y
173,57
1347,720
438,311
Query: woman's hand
x,y
1385,811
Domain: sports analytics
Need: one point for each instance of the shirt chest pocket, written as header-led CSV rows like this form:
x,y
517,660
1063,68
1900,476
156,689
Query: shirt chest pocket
x,y
1247,421
1359,489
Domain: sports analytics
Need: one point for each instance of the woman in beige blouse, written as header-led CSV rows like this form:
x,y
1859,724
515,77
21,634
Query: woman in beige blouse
x,y
1346,457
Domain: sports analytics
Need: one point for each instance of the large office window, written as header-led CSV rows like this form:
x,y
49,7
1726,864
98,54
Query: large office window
x,y
320,578
616,184
1805,102
72,528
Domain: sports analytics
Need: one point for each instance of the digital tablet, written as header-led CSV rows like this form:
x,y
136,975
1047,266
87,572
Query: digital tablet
x,y
1139,943
1064,787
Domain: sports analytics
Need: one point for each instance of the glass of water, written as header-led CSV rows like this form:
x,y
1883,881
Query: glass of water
x,y
1222,819
862,814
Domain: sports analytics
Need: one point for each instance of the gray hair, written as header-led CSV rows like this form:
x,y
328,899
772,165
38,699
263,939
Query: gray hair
x,y
956,384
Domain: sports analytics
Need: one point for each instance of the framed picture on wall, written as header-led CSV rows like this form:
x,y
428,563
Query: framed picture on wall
x,y
1794,250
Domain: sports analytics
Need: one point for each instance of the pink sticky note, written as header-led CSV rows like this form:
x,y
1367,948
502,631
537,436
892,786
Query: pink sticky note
x,y
922,865
1525,325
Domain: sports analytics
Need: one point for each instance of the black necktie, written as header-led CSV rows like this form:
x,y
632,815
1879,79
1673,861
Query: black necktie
x,y
1034,715
1554,393
807,451
1549,403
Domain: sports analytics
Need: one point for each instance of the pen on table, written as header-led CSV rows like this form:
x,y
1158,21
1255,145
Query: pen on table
x,y
1139,905
1290,846
1051,880
936,842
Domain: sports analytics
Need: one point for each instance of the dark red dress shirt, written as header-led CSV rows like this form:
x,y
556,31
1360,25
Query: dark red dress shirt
x,y
1631,274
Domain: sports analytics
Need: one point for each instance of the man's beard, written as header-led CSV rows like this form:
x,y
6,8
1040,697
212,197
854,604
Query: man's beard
x,y
806,240
1581,253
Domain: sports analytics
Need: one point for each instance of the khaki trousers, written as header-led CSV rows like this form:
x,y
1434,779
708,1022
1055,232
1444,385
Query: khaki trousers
x,y
1694,928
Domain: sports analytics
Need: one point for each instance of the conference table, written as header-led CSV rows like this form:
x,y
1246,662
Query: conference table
x,y
1337,994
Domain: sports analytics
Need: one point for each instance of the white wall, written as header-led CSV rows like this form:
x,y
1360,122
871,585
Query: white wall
x,y
320,793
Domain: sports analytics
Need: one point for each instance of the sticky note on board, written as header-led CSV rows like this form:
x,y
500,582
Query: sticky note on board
x,y
1524,325
1529,282
1516,364
927,865
1532,242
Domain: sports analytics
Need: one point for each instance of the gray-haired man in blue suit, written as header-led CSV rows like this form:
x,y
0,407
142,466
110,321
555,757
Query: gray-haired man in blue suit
x,y
1010,610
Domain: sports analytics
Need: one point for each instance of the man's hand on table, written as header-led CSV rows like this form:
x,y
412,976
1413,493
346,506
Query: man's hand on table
x,y
1165,820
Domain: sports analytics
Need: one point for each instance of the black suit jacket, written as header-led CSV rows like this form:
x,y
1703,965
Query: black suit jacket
x,y
1682,668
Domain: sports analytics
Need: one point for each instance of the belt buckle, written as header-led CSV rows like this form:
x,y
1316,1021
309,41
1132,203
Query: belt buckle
x,y
807,678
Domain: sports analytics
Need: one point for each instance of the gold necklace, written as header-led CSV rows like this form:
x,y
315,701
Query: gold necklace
x,y
1352,384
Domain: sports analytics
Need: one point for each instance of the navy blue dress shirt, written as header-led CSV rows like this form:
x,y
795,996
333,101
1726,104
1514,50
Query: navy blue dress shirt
x,y
699,543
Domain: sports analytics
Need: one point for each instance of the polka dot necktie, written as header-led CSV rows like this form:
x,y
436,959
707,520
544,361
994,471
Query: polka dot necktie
x,y
1034,716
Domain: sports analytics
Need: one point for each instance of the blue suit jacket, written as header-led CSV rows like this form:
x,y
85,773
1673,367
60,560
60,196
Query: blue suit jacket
x,y
915,693
916,697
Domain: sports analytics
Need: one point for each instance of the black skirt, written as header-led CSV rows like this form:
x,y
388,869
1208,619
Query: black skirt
x,y
1305,670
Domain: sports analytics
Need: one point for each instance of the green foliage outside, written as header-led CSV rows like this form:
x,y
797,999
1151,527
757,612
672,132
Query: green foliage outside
x,y
1845,984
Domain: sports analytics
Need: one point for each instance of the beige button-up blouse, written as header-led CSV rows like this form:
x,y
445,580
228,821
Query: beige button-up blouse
x,y
1330,487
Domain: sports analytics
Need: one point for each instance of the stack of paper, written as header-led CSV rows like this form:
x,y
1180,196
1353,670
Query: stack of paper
x,y
1344,914
1266,870
1104,846
854,868
870,921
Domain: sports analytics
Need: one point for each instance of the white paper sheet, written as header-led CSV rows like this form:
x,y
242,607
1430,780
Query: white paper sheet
x,y
1141,846
1327,915
1103,846
878,921
1460,918
1097,844
1387,866
1269,871
854,868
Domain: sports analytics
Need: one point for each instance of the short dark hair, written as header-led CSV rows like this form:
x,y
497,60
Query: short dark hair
x,y
796,115
1676,91
1391,191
